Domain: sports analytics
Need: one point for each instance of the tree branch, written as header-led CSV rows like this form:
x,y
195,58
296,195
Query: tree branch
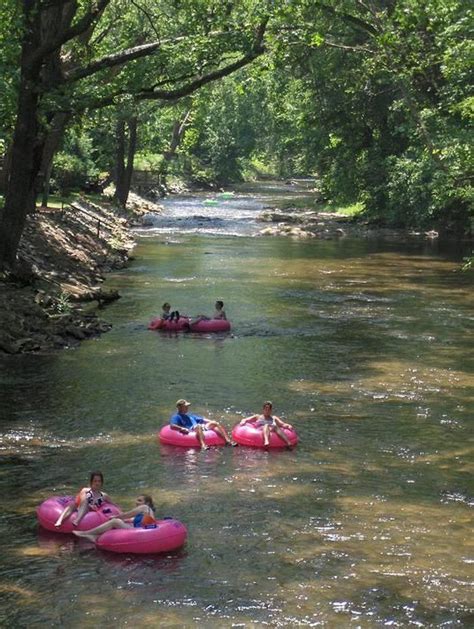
x,y
345,47
73,31
124,56
350,19
170,95
185,90
148,17
152,93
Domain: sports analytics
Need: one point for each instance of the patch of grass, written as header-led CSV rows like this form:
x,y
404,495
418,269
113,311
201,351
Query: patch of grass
x,y
57,200
309,202
257,168
353,210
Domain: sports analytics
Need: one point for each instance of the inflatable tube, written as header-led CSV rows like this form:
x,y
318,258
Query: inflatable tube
x,y
210,325
169,534
210,202
252,436
164,324
225,195
171,437
50,510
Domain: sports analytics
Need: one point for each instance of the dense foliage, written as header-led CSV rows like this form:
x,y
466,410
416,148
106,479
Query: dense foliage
x,y
371,96
377,102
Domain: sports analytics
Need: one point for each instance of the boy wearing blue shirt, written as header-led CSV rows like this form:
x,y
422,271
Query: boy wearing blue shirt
x,y
184,422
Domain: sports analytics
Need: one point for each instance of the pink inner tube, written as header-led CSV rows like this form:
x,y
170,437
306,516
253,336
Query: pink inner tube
x,y
210,325
168,535
172,437
164,324
50,510
252,436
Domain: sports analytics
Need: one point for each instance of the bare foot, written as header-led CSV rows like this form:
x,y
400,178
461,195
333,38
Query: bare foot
x,y
86,535
204,447
57,524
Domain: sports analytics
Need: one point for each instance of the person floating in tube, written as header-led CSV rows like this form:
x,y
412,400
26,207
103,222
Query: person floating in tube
x,y
166,315
269,423
219,313
88,499
184,422
141,516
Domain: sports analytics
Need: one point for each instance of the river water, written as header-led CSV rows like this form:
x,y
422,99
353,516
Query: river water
x,y
363,345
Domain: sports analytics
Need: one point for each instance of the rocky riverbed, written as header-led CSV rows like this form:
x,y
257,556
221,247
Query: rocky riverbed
x,y
53,298
307,223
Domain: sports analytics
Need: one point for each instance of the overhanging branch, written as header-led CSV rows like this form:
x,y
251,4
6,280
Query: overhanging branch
x,y
73,31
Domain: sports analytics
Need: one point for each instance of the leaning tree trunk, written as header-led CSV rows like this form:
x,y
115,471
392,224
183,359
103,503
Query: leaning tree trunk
x,y
119,160
179,127
124,170
51,146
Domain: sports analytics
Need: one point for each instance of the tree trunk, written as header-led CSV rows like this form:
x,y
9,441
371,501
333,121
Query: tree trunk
x,y
6,169
124,171
179,127
40,25
119,161
51,146
25,158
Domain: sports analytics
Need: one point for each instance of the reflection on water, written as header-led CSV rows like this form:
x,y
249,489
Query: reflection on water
x,y
364,346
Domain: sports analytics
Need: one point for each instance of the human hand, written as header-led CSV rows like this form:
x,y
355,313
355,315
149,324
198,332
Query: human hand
x,y
184,431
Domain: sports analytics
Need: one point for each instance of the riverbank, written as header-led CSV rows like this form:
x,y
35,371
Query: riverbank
x,y
302,223
52,300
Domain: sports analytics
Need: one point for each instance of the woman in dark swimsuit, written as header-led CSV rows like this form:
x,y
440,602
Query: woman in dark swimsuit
x,y
88,499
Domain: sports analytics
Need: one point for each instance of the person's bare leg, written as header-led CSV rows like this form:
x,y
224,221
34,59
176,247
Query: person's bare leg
x,y
93,534
266,436
81,512
66,512
283,436
200,436
220,431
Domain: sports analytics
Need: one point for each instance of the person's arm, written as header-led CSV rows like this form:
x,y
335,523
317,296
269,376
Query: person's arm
x,y
175,424
246,420
180,429
106,497
281,424
124,515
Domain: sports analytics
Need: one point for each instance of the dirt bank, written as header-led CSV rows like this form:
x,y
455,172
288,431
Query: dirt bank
x,y
53,298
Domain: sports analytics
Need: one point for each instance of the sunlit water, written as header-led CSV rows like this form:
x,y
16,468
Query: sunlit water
x,y
363,346
231,213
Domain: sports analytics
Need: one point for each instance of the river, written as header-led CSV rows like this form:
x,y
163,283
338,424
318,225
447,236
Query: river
x,y
363,345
